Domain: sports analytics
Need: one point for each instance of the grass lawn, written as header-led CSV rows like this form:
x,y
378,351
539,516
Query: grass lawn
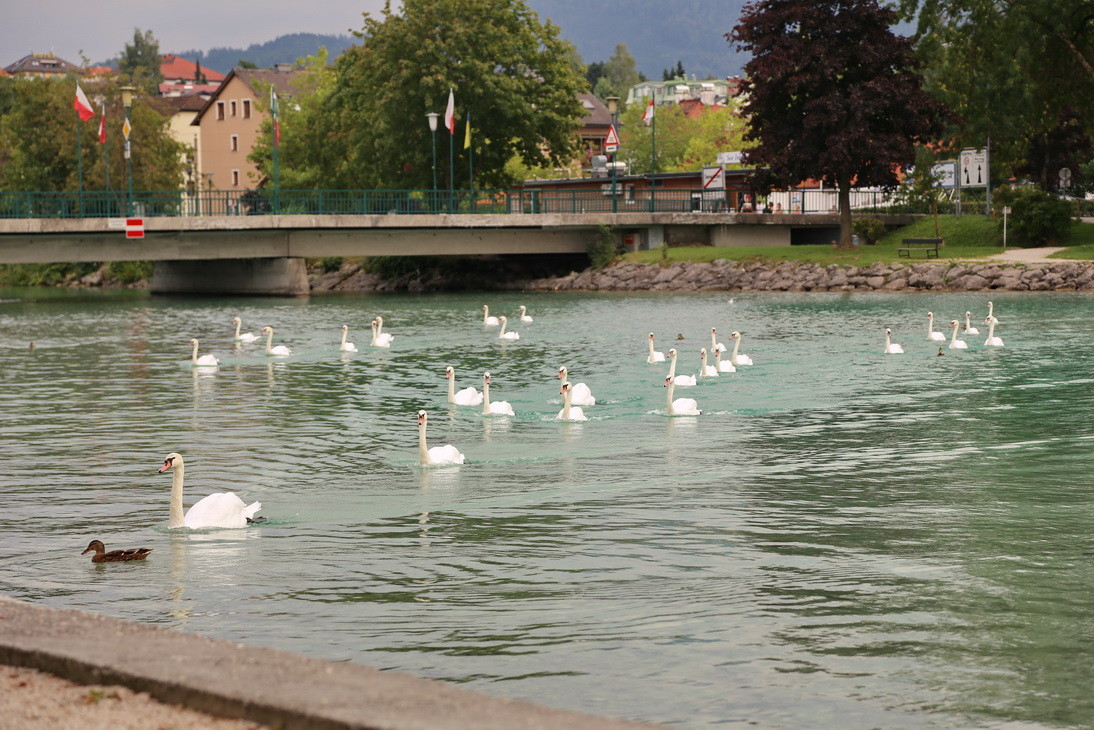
x,y
968,237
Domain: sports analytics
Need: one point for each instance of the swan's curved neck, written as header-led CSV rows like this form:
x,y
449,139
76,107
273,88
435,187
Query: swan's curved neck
x,y
991,327
451,386
503,326
567,399
713,341
344,333
672,366
239,325
379,326
736,346
888,341
930,324
486,397
269,339
175,519
194,357
953,338
968,322
423,452
485,314
651,348
670,388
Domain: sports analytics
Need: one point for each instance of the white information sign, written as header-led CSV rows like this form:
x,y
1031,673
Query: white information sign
x,y
729,158
945,173
974,168
714,178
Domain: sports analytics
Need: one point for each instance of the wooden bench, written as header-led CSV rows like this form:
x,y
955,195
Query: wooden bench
x,y
927,245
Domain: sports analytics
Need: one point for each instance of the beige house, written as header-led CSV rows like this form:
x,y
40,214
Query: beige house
x,y
229,123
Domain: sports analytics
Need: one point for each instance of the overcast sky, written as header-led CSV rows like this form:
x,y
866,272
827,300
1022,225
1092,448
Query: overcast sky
x,y
100,30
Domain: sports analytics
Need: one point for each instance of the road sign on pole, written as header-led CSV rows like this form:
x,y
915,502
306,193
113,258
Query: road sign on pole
x,y
134,228
945,173
611,142
974,168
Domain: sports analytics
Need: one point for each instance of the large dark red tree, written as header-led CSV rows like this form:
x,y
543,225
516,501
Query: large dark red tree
x,y
832,94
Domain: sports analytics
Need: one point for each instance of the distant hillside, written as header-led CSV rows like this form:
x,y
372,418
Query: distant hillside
x,y
284,49
657,33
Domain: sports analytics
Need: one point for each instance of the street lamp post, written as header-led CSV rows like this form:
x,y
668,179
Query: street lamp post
x,y
127,102
613,108
433,133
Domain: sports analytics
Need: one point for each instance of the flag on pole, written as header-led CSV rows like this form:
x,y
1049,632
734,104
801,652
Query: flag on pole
x,y
647,116
450,113
276,121
82,105
102,126
467,133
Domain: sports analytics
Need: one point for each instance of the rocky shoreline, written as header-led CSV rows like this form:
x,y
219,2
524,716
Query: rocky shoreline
x,y
792,276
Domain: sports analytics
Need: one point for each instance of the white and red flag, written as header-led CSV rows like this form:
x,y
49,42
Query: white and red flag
x,y
450,113
102,126
647,116
82,105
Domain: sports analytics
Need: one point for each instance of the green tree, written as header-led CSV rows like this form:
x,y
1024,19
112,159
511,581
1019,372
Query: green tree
x,y
1008,68
832,95
683,144
140,61
510,73
38,141
305,155
622,71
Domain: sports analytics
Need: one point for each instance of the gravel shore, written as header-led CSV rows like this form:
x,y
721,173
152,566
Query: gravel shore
x,y
33,700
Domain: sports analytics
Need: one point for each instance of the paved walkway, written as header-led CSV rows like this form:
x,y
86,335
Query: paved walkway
x,y
1028,255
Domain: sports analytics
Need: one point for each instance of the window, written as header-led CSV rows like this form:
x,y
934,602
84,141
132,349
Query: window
x,y
235,178
233,143
246,108
233,104
220,111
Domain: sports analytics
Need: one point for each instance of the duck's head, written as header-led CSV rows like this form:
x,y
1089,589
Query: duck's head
x,y
171,460
95,546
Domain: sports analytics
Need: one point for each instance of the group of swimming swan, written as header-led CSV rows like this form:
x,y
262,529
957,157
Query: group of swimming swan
x,y
688,406
379,339
489,320
891,348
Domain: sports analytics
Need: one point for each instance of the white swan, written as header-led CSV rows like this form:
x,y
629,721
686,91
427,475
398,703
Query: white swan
x,y
714,344
205,361
969,329
466,396
992,340
685,380
222,509
524,314
680,406
503,335
705,370
280,350
487,319
991,312
246,336
438,455
932,333
498,407
569,411
891,348
580,392
346,346
723,366
735,357
956,344
654,355
379,337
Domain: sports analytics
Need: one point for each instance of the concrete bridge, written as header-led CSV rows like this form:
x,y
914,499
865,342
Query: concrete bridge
x,y
265,254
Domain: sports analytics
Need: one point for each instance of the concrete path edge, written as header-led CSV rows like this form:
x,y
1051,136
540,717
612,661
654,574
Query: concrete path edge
x,y
263,685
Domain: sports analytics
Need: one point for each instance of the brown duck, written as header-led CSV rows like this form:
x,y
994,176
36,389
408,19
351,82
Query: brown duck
x,y
114,556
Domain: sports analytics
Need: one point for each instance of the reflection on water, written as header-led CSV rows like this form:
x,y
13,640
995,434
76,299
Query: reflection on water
x,y
842,538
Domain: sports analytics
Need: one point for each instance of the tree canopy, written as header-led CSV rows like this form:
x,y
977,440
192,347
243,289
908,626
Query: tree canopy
x,y
832,94
511,75
140,61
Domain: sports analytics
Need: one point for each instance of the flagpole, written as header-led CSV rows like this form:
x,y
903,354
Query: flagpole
x,y
653,162
106,151
470,156
80,164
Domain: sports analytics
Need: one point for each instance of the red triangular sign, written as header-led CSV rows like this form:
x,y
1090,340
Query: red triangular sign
x,y
611,142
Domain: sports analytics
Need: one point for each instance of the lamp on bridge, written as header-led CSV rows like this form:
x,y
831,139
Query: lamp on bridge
x,y
433,131
613,109
127,102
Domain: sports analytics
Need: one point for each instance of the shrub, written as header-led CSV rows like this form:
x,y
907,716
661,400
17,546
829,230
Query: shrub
x,y
1036,217
127,272
869,230
602,250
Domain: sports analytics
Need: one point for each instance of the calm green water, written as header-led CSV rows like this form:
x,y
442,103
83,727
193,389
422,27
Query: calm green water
x,y
842,539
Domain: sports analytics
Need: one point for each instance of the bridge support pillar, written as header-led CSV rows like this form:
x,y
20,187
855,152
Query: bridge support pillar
x,y
266,277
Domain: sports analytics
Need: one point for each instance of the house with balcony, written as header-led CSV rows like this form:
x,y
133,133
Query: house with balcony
x,y
708,92
43,65
182,77
229,123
